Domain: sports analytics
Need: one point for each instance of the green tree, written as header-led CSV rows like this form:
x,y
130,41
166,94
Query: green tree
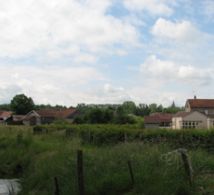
x,y
173,108
127,107
5,107
21,104
142,110
153,107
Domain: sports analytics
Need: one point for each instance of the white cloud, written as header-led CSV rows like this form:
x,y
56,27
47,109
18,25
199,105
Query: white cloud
x,y
163,70
182,42
208,8
30,26
85,58
112,94
154,7
47,84
168,80
110,89
153,94
180,30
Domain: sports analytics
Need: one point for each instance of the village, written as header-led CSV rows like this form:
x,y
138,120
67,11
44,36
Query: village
x,y
198,114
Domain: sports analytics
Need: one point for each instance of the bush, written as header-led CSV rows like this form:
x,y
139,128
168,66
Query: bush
x,y
106,134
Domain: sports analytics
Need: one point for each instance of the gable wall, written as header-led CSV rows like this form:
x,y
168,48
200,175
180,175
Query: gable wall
x,y
176,122
196,116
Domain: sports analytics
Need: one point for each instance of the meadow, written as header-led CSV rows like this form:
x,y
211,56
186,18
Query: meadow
x,y
47,152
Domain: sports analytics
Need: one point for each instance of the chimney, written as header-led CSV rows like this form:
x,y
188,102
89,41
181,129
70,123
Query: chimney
x,y
195,97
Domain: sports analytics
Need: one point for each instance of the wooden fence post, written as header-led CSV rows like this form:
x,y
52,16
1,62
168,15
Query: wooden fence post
x,y
80,174
125,137
131,172
187,165
56,184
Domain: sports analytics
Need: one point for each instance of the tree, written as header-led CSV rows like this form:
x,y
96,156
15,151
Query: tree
x,y
5,107
127,107
142,110
99,115
21,104
173,105
173,108
153,107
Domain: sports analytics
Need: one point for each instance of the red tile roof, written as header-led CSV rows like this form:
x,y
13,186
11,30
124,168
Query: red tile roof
x,y
157,118
17,118
31,114
201,103
56,113
5,114
182,114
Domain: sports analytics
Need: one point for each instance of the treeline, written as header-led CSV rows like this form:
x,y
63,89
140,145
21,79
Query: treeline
x,y
21,104
126,113
7,107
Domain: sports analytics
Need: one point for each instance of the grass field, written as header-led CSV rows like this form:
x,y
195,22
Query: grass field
x,y
157,167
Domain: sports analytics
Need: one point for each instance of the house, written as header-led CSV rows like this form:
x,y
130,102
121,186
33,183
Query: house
x,y
47,116
4,115
50,115
205,106
31,118
15,120
191,120
199,114
158,120
43,116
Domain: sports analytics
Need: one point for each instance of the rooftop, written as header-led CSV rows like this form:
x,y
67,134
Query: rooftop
x,y
201,103
158,118
56,113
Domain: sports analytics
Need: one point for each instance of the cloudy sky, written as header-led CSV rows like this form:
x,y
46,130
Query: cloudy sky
x,y
107,51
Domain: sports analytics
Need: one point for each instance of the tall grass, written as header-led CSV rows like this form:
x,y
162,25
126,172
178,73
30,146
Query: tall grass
x,y
37,159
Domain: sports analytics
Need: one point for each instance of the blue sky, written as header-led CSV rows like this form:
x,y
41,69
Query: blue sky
x,y
108,51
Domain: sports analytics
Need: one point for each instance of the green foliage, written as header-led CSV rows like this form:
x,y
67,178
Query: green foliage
x,y
118,114
102,134
173,108
97,115
61,122
103,116
22,104
142,110
37,159
5,107
125,119
79,119
127,107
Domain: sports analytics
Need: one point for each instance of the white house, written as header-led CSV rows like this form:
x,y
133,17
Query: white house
x,y
199,114
192,120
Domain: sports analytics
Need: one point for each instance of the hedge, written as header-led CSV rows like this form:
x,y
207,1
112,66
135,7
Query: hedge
x,y
108,134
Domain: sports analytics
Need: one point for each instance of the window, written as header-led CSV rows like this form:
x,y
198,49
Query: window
x,y
191,124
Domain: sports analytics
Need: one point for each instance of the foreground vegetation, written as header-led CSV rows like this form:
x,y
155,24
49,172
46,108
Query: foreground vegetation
x,y
157,166
112,134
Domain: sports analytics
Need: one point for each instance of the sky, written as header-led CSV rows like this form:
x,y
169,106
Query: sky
x,y
108,51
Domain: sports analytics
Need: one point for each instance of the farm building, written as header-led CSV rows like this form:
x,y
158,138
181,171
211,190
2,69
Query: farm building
x,y
32,118
205,106
15,120
192,120
43,116
156,120
4,115
47,116
199,113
